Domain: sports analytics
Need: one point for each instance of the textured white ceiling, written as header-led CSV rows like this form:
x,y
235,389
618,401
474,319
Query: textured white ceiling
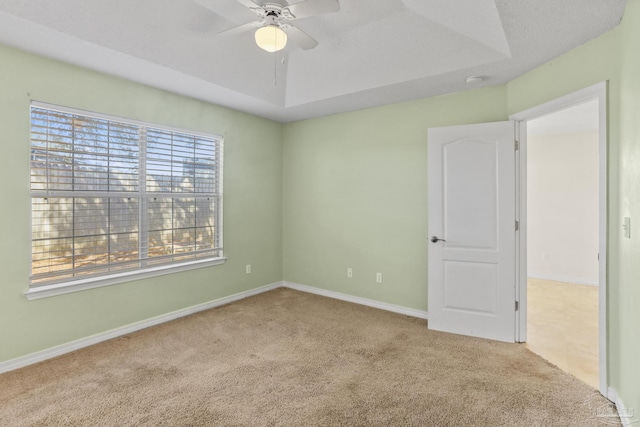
x,y
371,52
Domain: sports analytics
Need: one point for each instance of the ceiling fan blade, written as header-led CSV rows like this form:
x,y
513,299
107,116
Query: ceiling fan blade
x,y
249,4
313,7
212,18
241,28
298,37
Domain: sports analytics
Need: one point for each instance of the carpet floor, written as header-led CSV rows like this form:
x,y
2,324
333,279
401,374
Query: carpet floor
x,y
287,358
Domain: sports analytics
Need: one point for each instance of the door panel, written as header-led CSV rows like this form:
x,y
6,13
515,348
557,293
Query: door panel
x,y
472,208
474,191
476,287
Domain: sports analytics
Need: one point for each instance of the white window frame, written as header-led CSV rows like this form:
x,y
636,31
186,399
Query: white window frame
x,y
80,284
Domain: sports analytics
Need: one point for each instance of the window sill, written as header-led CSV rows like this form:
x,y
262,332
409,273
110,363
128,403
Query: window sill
x,y
97,282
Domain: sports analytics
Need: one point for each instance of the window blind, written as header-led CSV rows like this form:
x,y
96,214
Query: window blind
x,y
110,195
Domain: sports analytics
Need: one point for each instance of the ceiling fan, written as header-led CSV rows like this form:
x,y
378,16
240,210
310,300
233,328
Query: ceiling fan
x,y
275,27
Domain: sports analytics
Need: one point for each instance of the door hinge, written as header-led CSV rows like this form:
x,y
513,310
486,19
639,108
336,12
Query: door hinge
x,y
517,305
517,225
517,144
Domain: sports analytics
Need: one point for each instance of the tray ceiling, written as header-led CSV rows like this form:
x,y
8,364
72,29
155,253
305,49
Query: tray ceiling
x,y
370,53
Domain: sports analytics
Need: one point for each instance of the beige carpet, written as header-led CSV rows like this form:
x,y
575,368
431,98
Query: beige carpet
x,y
286,358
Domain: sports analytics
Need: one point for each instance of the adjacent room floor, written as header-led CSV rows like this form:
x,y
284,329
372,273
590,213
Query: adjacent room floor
x,y
562,326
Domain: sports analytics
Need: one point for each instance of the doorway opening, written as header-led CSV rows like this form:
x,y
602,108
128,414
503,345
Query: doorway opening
x,y
562,239
562,247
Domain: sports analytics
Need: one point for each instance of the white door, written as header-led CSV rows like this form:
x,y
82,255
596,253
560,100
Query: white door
x,y
472,200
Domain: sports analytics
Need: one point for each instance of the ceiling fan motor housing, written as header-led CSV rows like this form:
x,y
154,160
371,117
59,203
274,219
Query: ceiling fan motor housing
x,y
280,16
274,12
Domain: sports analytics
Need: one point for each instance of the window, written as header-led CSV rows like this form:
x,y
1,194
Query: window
x,y
114,197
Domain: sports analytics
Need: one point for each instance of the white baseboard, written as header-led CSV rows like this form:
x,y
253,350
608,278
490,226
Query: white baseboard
x,y
358,300
560,278
627,416
59,350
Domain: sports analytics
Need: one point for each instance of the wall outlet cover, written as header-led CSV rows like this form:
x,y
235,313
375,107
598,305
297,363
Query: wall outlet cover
x,y
626,225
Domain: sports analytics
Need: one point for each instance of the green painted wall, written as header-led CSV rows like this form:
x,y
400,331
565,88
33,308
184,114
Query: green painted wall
x,y
252,205
625,314
355,195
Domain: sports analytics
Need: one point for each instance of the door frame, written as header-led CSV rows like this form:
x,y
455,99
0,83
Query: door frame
x,y
599,92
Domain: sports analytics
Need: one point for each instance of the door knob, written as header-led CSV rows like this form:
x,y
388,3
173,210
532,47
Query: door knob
x,y
435,239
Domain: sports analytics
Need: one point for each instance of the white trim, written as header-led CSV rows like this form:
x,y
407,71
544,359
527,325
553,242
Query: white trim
x,y
627,416
521,233
603,132
421,314
561,103
219,200
59,350
560,278
597,91
112,279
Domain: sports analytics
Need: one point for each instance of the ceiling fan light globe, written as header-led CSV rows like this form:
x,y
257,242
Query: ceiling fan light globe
x,y
271,38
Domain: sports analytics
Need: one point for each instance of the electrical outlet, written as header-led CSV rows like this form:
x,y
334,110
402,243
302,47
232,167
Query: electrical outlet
x,y
545,257
379,277
349,272
248,268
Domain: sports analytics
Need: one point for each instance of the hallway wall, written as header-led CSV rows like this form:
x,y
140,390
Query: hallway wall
x,y
562,207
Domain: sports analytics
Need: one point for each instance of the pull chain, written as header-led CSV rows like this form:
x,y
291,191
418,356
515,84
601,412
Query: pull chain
x,y
275,68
